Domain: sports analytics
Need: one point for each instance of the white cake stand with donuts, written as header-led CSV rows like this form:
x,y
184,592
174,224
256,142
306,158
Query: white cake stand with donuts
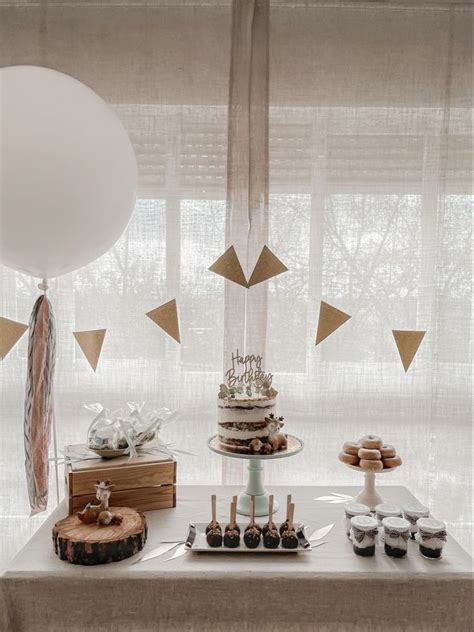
x,y
255,486
369,495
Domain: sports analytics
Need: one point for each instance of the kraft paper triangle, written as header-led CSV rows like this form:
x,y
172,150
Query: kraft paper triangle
x,y
228,266
166,317
330,319
267,267
10,334
91,343
407,343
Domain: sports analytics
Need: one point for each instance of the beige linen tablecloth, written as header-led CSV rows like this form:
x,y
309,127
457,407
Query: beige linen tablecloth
x,y
329,589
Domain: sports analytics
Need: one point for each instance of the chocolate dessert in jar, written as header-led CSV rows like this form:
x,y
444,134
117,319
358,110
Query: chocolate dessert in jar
x,y
351,510
386,510
396,536
413,512
363,534
431,537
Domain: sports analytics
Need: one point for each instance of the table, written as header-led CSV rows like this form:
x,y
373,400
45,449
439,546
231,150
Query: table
x,y
327,590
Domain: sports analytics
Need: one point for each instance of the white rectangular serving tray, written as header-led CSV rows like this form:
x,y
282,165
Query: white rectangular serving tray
x,y
200,544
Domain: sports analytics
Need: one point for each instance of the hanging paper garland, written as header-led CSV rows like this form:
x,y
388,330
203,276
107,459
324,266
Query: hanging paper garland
x,y
91,343
229,267
166,317
408,343
330,319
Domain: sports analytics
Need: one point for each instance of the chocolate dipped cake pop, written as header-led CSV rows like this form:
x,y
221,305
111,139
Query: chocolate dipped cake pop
x,y
252,532
271,537
232,536
284,525
252,538
213,525
289,539
214,538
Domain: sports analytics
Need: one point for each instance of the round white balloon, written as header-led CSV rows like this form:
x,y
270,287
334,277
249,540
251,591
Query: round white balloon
x,y
68,173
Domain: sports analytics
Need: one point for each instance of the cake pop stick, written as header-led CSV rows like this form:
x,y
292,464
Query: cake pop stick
x,y
213,524
269,525
236,526
289,539
213,529
271,537
232,536
291,514
284,525
252,532
252,523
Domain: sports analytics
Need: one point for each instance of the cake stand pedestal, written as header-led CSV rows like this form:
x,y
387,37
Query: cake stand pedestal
x,y
255,486
369,495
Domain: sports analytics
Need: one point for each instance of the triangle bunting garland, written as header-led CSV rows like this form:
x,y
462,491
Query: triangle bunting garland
x,y
330,319
166,317
10,333
407,343
228,266
267,267
91,343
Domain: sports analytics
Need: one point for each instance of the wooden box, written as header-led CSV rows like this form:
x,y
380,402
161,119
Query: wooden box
x,y
145,482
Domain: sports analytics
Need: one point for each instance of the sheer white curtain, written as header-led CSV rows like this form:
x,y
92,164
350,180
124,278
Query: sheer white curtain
x,y
368,201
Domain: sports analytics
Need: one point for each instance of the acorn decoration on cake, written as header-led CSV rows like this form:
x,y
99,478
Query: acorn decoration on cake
x,y
370,453
271,537
252,534
213,529
232,535
275,441
289,539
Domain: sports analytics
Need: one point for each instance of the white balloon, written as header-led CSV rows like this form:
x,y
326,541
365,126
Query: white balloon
x,y
68,173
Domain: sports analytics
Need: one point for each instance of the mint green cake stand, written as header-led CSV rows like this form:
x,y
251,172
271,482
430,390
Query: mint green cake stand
x,y
255,486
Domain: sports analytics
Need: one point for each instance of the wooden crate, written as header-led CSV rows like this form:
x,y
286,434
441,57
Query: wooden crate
x,y
144,482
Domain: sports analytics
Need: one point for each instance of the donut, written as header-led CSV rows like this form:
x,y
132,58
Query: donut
x,y
387,451
371,441
350,459
393,461
371,464
350,447
371,455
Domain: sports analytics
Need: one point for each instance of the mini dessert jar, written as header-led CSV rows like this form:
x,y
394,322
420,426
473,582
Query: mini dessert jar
x,y
363,534
396,536
412,512
386,510
351,510
431,537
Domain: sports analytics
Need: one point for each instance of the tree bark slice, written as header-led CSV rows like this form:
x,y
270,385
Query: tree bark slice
x,y
90,544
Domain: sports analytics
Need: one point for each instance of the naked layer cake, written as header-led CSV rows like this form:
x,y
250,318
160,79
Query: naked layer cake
x,y
247,420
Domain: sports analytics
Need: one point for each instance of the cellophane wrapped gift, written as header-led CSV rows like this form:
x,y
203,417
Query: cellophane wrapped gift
x,y
126,428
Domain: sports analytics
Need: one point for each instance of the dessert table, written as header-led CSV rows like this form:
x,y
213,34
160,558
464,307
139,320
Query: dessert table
x,y
329,589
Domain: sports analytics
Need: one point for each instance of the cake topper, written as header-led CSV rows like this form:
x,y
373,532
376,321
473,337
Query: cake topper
x,y
246,373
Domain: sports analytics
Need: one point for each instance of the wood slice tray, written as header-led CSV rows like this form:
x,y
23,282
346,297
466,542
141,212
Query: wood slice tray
x,y
199,543
91,544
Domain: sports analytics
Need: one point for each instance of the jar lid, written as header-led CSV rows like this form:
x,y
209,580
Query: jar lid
x,y
356,509
395,524
431,525
386,509
364,523
416,510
